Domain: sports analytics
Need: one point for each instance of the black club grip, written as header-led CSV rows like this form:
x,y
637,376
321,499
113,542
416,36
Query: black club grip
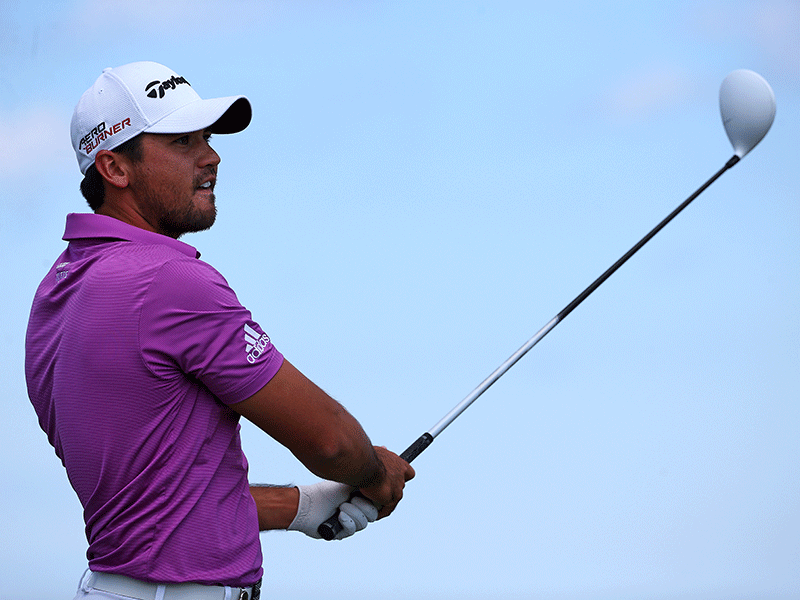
x,y
331,528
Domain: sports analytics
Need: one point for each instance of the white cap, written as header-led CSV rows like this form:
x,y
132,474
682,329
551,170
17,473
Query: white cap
x,y
146,96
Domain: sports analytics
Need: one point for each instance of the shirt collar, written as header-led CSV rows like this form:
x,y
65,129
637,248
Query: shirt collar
x,y
87,225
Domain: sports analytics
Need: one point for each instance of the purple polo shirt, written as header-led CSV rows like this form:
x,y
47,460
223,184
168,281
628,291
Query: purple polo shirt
x,y
134,350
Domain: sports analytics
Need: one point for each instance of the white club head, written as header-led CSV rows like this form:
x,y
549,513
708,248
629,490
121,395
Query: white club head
x,y
747,104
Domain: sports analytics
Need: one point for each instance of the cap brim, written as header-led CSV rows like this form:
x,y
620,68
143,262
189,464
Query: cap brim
x,y
223,115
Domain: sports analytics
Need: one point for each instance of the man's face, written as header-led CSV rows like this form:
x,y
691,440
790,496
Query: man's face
x,y
174,182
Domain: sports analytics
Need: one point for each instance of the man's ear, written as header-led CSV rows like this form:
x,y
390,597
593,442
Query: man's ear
x,y
113,168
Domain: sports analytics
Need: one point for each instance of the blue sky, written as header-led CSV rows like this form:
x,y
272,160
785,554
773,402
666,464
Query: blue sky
x,y
423,186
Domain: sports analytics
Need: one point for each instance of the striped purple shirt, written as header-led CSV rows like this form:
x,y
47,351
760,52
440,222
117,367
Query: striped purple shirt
x,y
134,350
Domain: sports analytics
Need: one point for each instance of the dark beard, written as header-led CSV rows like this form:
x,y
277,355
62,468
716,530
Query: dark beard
x,y
175,223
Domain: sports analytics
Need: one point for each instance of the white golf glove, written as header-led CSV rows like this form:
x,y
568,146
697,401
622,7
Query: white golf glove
x,y
321,500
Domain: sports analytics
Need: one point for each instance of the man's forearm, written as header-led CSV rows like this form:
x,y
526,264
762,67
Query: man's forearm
x,y
276,505
355,461
318,430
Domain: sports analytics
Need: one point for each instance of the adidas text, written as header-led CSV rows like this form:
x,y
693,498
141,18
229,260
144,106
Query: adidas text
x,y
256,344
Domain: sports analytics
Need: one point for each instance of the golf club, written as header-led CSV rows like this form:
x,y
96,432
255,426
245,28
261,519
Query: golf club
x,y
747,107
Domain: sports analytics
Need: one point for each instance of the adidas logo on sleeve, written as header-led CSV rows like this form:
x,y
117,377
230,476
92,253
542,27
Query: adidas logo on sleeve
x,y
255,342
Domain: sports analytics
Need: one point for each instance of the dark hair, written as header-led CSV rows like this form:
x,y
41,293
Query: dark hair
x,y
92,186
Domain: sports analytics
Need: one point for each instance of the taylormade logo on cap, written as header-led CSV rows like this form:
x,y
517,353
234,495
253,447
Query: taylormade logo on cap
x,y
147,97
157,89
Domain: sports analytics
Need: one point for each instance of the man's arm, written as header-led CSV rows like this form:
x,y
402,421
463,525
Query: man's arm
x,y
277,505
325,438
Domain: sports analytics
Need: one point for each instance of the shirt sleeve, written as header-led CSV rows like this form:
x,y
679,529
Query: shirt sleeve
x,y
192,324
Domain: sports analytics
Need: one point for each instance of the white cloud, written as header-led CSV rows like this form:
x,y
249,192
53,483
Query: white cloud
x,y
175,17
186,21
34,139
777,29
772,27
648,92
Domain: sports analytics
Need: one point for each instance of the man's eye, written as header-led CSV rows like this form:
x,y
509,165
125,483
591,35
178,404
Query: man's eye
x,y
183,140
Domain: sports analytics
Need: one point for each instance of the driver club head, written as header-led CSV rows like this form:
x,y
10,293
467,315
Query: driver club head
x,y
747,106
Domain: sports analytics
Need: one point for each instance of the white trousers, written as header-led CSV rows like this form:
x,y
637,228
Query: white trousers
x,y
117,587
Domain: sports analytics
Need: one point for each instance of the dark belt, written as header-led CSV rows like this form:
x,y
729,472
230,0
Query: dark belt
x,y
256,591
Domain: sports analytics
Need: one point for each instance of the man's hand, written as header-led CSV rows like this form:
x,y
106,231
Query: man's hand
x,y
386,490
321,500
375,500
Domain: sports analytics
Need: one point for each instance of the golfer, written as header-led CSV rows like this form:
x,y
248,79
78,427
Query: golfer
x,y
140,361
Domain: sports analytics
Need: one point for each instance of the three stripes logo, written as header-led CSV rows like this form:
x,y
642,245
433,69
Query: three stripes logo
x,y
255,342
